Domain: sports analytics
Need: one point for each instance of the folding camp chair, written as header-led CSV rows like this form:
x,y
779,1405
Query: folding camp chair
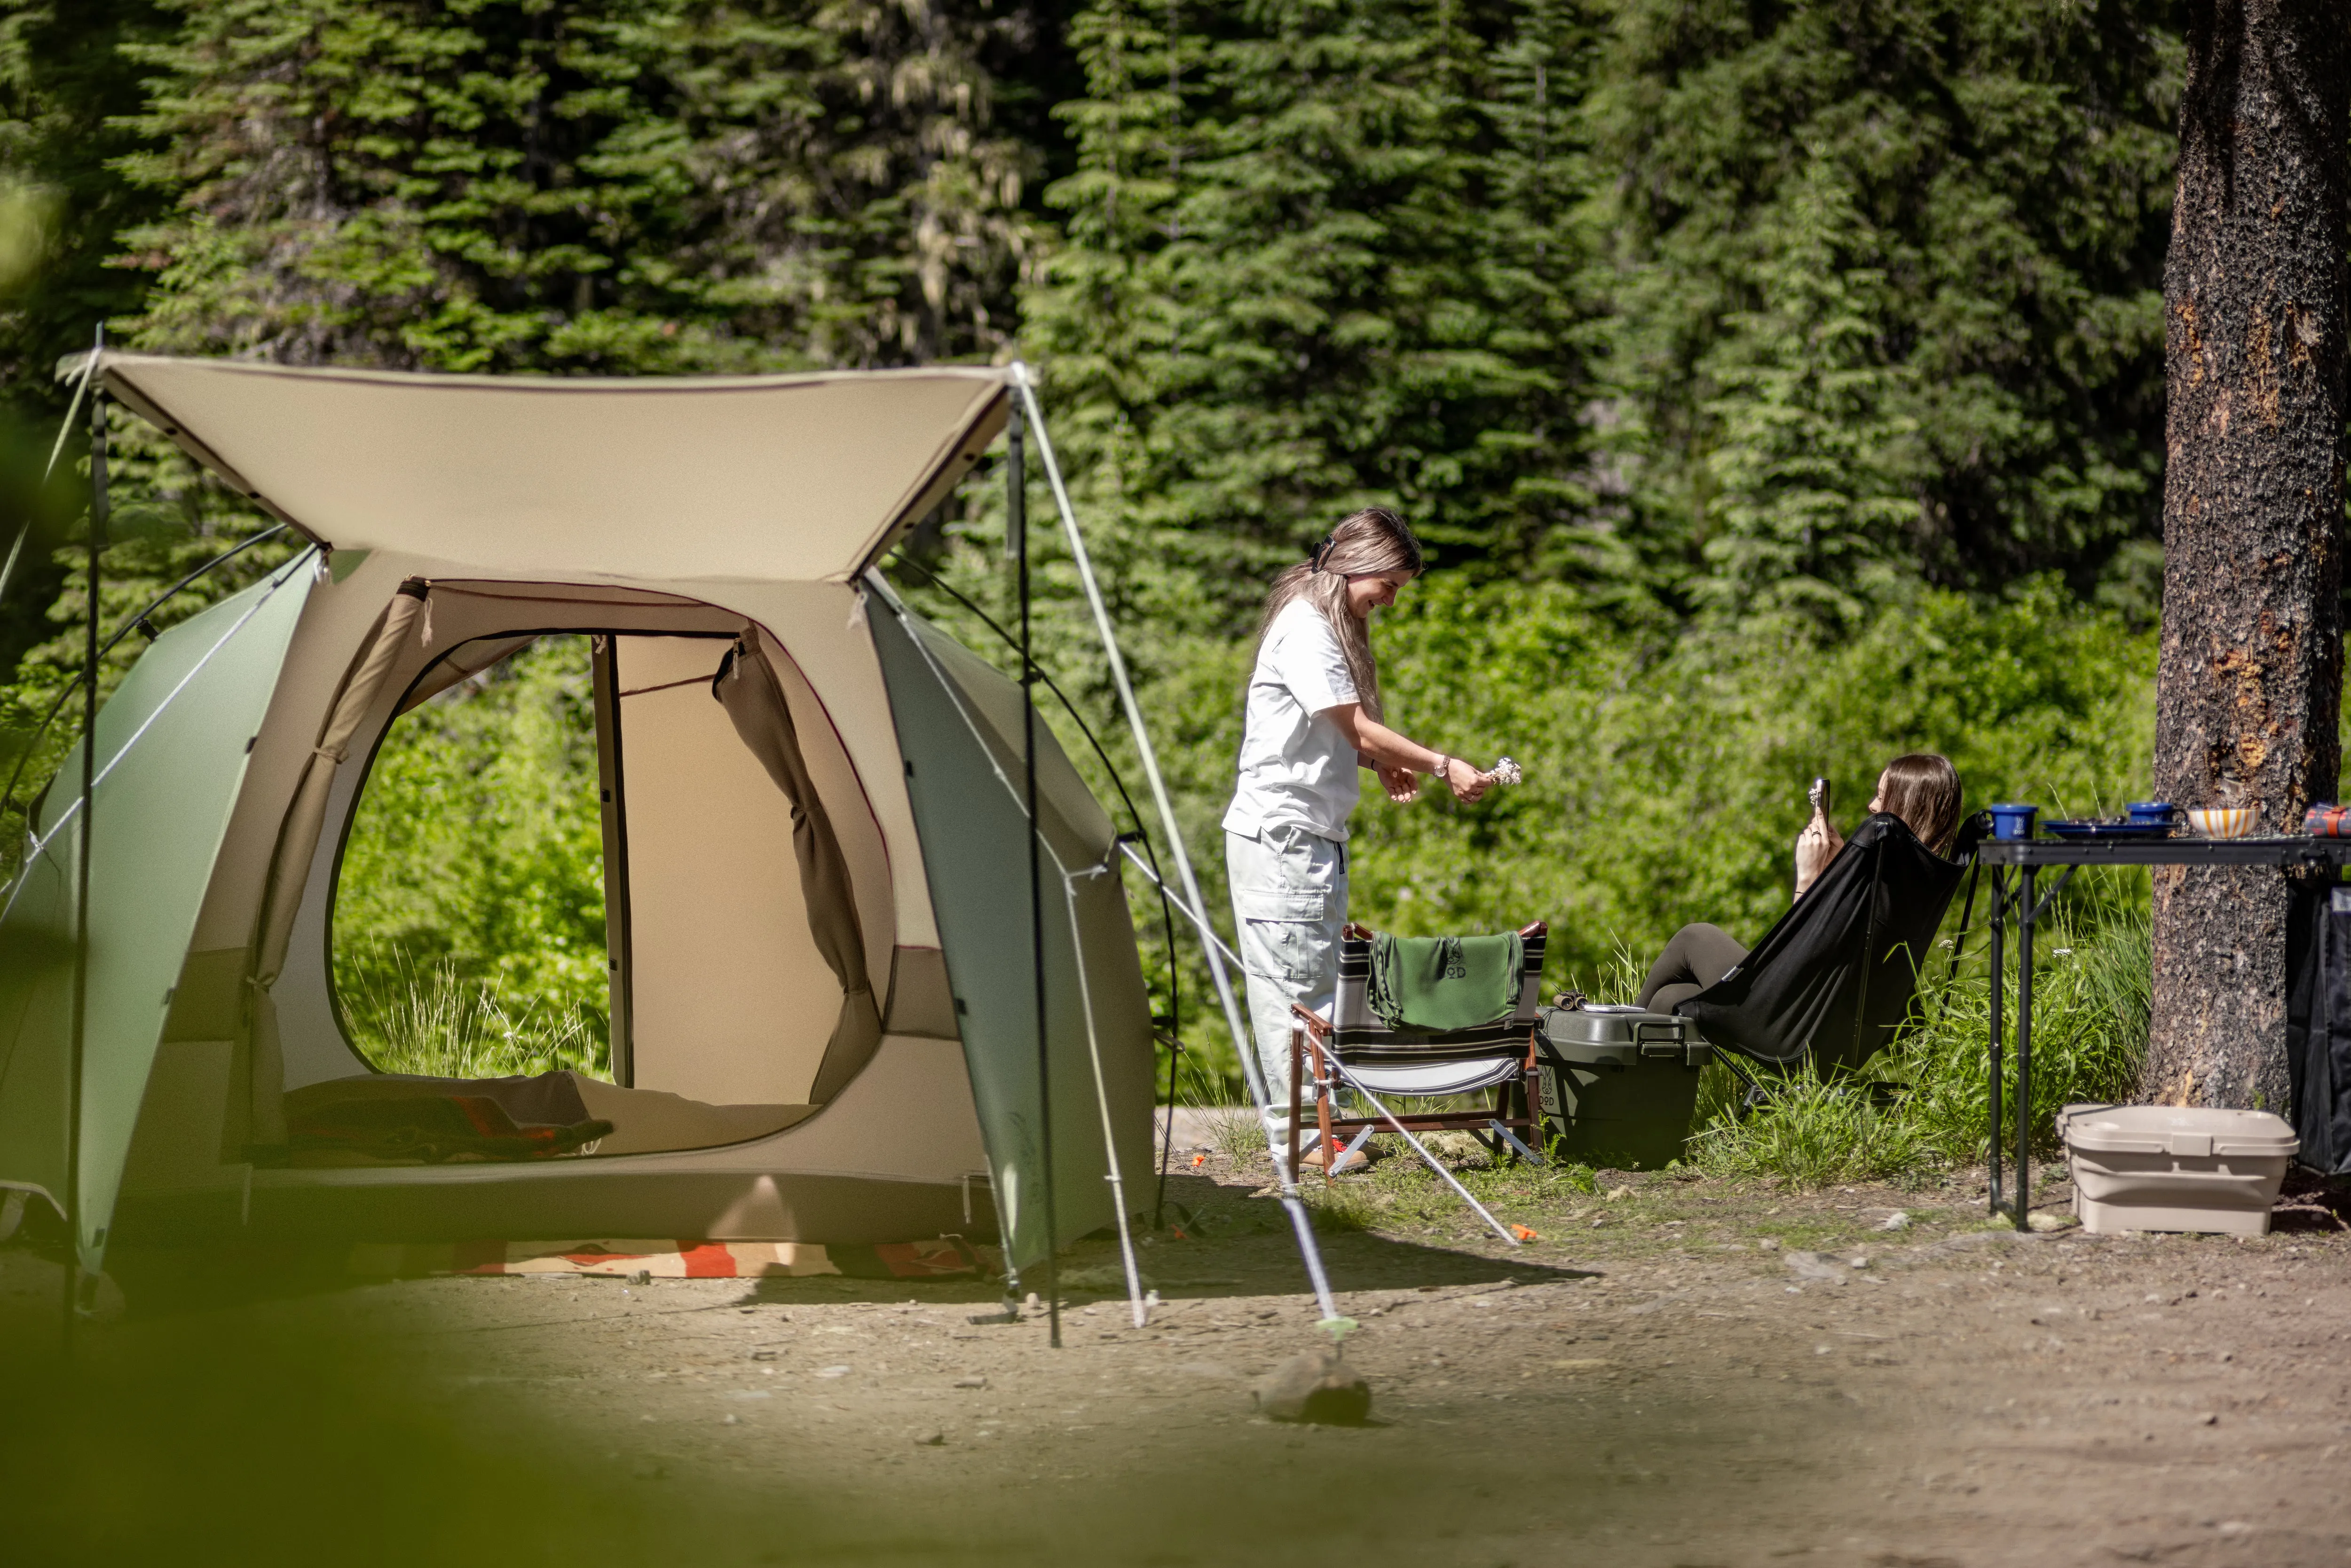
x,y
1831,984
1354,1050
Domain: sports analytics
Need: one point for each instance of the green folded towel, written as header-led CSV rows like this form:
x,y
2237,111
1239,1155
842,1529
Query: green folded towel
x,y
1443,983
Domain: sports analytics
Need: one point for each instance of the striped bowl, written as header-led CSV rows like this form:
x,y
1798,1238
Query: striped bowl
x,y
2225,821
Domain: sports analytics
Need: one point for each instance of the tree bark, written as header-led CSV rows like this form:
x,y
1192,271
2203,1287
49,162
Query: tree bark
x,y
2248,689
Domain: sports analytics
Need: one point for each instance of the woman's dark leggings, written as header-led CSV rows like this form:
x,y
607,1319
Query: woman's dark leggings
x,y
1696,958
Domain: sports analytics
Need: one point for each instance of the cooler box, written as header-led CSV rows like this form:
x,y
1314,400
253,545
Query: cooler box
x,y
1619,1085
2163,1167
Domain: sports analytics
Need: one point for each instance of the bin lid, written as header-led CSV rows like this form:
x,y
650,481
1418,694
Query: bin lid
x,y
1614,1034
2187,1131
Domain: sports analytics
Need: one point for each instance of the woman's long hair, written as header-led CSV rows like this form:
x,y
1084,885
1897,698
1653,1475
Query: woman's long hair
x,y
1373,540
1922,789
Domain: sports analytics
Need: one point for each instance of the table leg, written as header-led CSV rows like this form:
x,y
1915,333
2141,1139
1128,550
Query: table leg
x,y
2024,1055
1992,1076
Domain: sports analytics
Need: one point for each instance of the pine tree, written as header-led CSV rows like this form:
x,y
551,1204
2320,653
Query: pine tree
x,y
605,185
1288,288
2009,170
1814,478
64,85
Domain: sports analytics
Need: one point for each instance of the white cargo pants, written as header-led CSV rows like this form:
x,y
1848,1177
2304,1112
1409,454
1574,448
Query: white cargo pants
x,y
1289,898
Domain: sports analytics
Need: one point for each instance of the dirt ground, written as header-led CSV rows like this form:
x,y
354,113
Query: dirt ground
x,y
1687,1373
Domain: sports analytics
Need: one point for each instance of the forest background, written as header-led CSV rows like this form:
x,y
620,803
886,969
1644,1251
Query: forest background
x,y
1779,385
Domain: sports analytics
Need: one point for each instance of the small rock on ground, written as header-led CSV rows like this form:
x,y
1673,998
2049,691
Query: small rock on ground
x,y
1314,1386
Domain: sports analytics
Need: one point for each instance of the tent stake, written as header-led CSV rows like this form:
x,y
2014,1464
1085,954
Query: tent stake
x,y
1251,1071
1016,541
96,543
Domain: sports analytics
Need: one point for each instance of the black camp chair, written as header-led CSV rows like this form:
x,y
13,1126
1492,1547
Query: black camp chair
x,y
1830,984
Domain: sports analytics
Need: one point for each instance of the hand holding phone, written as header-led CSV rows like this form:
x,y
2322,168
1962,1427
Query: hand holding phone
x,y
1819,842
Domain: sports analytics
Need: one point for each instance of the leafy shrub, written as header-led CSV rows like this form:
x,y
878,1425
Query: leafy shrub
x,y
1664,783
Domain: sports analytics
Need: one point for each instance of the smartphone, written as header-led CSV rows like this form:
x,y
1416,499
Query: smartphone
x,y
1818,795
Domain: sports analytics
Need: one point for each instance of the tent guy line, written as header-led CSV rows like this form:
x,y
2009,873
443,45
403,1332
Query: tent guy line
x,y
8,794
1300,1224
1210,936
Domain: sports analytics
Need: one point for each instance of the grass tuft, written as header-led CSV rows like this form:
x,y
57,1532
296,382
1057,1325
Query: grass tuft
x,y
429,1020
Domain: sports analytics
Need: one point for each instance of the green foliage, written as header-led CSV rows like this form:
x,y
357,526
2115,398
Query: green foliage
x,y
608,185
1288,288
2000,177
431,1023
469,908
1818,464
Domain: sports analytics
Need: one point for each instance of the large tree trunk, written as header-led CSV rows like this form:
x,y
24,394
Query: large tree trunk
x,y
2249,691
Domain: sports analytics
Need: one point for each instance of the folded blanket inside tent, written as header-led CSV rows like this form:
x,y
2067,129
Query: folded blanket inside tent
x,y
1445,983
403,1119
376,1117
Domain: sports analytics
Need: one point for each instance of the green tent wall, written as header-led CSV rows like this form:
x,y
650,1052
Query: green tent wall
x,y
171,756
959,724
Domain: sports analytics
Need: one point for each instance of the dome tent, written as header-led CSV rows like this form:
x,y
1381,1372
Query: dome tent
x,y
808,878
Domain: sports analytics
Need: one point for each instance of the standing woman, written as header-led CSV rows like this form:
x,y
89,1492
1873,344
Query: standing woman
x,y
1314,718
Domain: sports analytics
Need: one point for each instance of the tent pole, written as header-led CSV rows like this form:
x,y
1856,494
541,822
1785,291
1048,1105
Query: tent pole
x,y
96,541
1309,1253
1016,542
1116,1177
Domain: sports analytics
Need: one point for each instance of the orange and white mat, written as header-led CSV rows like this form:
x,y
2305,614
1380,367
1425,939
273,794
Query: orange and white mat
x,y
673,1259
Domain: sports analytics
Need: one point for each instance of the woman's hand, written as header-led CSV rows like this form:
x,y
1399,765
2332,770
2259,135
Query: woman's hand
x,y
1386,753
1816,847
1402,784
1466,782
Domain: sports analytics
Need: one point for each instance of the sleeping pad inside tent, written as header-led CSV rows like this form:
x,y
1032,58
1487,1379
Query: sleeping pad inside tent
x,y
815,852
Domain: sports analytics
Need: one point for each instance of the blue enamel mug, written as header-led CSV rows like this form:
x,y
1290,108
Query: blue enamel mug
x,y
2151,813
2013,822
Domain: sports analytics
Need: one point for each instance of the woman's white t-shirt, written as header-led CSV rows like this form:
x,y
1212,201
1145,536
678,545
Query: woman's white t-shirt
x,y
1296,770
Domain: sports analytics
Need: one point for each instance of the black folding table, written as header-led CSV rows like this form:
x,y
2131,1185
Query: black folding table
x,y
2029,857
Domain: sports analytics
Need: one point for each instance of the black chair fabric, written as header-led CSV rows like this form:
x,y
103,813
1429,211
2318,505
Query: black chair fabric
x,y
2318,1023
1806,985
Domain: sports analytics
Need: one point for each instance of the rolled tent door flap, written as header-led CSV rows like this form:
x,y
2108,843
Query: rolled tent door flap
x,y
171,750
754,698
966,785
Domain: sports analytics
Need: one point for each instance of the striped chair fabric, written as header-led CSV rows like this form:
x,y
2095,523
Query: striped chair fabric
x,y
1359,1039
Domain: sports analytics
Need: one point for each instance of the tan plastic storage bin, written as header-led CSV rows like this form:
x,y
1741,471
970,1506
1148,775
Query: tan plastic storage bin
x,y
2163,1167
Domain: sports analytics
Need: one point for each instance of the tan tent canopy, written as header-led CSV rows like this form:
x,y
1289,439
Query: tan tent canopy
x,y
776,479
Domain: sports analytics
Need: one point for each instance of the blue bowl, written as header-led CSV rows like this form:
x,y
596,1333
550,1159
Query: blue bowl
x,y
2013,822
2152,812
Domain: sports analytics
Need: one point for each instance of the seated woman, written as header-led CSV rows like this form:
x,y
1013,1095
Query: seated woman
x,y
1921,788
